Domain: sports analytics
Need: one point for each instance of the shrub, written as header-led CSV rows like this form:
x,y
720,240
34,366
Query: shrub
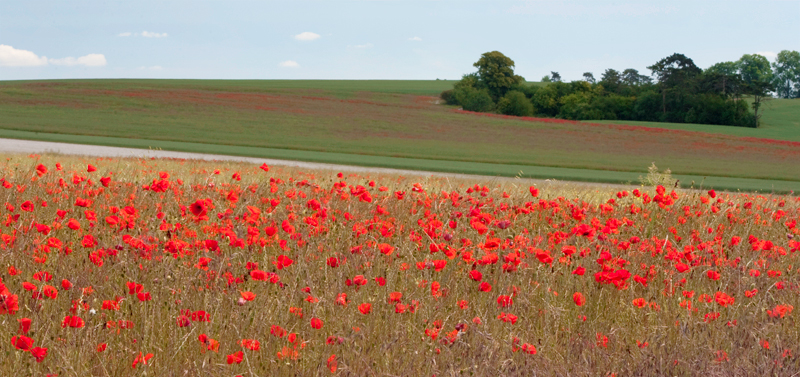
x,y
449,97
515,103
472,99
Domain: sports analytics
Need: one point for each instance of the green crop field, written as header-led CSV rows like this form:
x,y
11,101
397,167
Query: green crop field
x,y
394,124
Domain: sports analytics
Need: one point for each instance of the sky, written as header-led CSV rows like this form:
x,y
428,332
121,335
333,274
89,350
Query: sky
x,y
373,39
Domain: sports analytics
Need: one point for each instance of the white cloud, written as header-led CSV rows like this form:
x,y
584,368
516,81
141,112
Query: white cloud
x,y
367,45
768,54
415,39
148,34
11,57
289,64
125,34
306,36
91,60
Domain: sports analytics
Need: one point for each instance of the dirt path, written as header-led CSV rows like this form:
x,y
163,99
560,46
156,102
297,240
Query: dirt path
x,y
40,147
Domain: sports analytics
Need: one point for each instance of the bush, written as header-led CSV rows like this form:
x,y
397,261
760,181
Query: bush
x,y
472,99
449,97
515,103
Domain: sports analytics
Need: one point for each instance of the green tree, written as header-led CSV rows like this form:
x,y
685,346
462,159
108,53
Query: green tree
x,y
555,76
496,72
754,68
676,74
632,77
515,103
786,74
589,77
722,78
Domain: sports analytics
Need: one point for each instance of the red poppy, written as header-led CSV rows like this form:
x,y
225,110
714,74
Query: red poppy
x,y
141,358
24,325
365,308
316,323
578,298
236,357
22,342
72,321
41,170
39,353
91,168
475,275
251,344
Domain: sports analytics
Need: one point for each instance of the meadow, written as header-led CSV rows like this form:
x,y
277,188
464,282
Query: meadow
x,y
173,267
395,124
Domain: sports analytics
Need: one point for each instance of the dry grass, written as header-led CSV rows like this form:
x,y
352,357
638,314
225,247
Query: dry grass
x,y
520,253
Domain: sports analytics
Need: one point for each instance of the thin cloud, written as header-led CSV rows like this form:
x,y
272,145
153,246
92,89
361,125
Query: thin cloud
x,y
306,36
417,39
125,34
289,64
148,34
768,54
91,60
12,57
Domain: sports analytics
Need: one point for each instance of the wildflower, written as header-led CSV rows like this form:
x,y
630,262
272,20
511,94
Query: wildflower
x,y
365,308
578,298
316,323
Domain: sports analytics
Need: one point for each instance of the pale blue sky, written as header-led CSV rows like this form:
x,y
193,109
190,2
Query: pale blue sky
x,y
238,39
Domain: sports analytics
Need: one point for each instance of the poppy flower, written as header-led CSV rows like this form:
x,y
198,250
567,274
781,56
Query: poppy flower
x,y
578,298
236,357
183,321
475,275
251,344
365,308
316,323
39,353
24,325
713,275
91,168
41,170
22,342
72,321
485,287
141,358
248,296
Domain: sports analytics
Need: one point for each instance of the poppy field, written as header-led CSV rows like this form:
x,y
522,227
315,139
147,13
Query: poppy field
x,y
173,267
397,124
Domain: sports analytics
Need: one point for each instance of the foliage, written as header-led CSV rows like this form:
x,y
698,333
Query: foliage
x,y
515,103
754,68
786,74
472,99
496,72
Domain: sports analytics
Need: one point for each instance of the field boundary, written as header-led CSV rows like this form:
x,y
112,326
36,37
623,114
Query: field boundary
x,y
396,163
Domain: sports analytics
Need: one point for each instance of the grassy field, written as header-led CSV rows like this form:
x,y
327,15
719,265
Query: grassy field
x,y
392,124
151,267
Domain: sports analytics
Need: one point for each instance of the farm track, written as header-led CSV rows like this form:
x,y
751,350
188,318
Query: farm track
x,y
40,147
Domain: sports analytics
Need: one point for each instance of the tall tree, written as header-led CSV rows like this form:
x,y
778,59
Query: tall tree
x,y
589,77
555,76
496,71
754,68
675,73
722,78
632,77
786,74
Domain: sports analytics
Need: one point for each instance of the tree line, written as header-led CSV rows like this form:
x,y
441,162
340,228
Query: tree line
x,y
680,93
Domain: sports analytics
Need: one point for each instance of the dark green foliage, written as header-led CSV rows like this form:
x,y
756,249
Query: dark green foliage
x,y
515,103
472,99
449,97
